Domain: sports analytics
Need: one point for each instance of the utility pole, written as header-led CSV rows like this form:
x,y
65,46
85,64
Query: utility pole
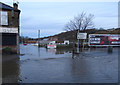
x,y
38,38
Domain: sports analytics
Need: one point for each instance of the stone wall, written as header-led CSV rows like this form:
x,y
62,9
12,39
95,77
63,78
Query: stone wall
x,y
13,22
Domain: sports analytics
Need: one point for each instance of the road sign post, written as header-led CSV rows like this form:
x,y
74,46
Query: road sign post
x,y
38,38
78,43
81,36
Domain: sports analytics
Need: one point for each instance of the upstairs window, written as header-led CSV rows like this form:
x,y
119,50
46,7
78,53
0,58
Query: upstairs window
x,y
3,18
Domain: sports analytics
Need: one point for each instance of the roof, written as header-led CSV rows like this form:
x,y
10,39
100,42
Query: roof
x,y
7,7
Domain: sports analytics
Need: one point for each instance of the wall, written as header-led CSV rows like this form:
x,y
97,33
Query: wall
x,y
8,39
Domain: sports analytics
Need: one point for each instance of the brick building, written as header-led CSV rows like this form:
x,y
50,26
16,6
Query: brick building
x,y
9,27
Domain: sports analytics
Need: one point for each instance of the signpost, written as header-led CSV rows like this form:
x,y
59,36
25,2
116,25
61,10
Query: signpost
x,y
81,36
38,38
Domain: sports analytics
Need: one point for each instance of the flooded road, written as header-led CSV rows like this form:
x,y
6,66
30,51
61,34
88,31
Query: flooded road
x,y
41,65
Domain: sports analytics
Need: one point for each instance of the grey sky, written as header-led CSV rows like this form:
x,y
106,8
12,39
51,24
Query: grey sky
x,y
50,17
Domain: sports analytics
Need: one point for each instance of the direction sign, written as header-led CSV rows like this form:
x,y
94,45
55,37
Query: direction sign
x,y
81,35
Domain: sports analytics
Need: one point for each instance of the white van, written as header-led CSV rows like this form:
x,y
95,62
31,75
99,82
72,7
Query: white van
x,y
51,44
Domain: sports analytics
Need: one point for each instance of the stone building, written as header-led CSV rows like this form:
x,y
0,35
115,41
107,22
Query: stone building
x,y
53,38
9,27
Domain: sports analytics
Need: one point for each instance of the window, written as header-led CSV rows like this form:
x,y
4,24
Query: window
x,y
3,18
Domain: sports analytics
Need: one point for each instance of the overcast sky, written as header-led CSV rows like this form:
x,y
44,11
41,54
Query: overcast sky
x,y
51,17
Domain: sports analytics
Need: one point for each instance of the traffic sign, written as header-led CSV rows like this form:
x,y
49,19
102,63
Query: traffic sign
x,y
81,35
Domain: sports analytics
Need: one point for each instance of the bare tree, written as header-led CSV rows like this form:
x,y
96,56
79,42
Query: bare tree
x,y
81,22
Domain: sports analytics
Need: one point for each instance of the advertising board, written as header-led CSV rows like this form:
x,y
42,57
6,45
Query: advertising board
x,y
104,40
8,30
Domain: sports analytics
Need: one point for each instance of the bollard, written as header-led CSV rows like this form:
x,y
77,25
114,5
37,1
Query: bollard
x,y
73,52
110,49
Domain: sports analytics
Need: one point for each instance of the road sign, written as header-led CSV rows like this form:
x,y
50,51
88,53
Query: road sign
x,y
81,35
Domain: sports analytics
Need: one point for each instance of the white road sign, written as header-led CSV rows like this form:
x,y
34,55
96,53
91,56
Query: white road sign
x,y
81,35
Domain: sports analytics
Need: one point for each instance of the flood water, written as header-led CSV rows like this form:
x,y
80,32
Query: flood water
x,y
41,65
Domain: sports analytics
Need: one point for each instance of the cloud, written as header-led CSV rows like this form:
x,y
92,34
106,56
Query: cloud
x,y
43,32
62,0
69,0
50,17
108,22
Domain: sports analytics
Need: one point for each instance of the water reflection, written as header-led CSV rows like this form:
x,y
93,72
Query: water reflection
x,y
79,69
10,69
38,51
50,65
51,50
60,51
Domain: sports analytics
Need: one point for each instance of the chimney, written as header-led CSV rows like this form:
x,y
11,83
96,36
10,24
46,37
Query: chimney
x,y
15,5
